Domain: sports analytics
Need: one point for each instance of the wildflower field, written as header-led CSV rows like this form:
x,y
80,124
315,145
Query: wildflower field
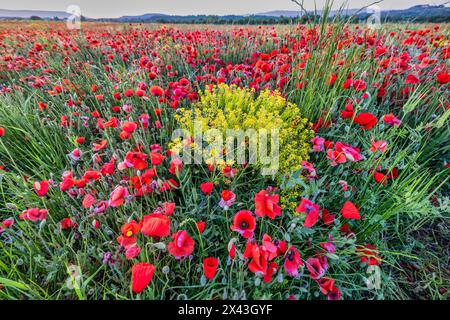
x,y
97,200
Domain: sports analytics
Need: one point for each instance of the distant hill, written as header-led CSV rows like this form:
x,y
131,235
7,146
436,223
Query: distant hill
x,y
27,14
298,13
419,13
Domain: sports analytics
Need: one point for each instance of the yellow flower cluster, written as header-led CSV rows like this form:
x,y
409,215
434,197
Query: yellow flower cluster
x,y
224,107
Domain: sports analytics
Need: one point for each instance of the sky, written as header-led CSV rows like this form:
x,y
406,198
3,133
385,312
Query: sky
x,y
117,8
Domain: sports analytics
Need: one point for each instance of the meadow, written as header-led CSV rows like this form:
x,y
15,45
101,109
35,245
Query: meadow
x,y
95,203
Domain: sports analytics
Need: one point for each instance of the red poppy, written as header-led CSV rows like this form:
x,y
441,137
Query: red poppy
x,y
327,217
350,211
411,79
351,153
293,262
132,251
392,120
259,263
317,267
5,224
348,113
41,188
334,294
2,132
326,285
169,208
244,223
369,254
336,157
155,225
182,244
201,226
101,145
443,77
175,166
380,177
88,201
156,158
66,223
207,187
141,276
210,266
117,197
156,91
267,205
129,234
366,120
312,212
34,214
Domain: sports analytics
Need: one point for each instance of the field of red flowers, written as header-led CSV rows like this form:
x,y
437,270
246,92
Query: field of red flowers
x,y
96,204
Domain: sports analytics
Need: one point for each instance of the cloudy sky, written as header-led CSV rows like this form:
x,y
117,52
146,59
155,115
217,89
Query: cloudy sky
x,y
116,8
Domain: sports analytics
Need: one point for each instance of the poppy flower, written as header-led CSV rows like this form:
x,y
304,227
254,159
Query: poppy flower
x,y
66,223
336,157
132,251
169,208
327,217
34,214
351,153
117,197
231,250
129,234
88,201
318,144
141,276
380,177
156,158
259,263
41,188
366,120
317,267
369,254
244,223
201,226
156,91
359,85
334,294
348,112
75,154
210,266
267,205
2,132
129,126
155,225
5,224
411,79
207,187
326,285
443,77
182,244
312,212
293,262
175,166
392,120
350,211
378,145
227,198
99,146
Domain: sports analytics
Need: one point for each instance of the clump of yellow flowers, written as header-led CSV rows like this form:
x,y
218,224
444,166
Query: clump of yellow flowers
x,y
225,107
